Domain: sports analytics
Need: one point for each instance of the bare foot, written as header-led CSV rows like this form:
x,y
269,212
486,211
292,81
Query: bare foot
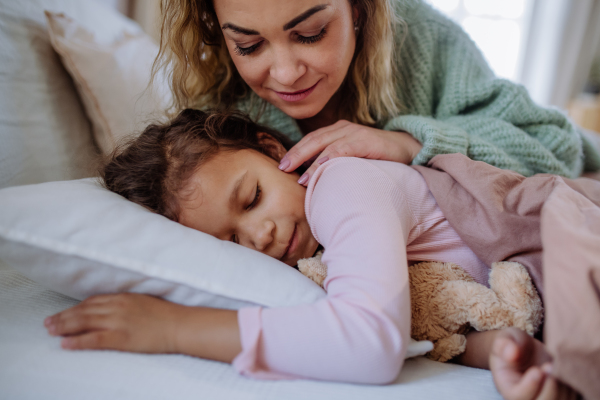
x,y
522,368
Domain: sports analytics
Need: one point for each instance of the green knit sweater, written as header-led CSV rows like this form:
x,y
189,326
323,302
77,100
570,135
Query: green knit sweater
x,y
455,104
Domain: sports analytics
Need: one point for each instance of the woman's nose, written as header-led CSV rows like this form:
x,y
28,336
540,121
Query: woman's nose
x,y
286,68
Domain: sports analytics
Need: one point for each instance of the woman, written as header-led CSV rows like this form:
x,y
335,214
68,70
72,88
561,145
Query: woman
x,y
361,78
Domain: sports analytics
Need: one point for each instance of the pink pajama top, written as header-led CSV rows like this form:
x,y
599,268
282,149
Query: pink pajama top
x,y
374,218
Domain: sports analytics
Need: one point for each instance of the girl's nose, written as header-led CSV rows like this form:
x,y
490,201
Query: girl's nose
x,y
286,68
263,235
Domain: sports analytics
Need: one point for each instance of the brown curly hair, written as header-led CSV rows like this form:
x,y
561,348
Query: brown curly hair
x,y
153,168
194,57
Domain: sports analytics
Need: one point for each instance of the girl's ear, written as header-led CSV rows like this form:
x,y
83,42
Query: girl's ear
x,y
272,147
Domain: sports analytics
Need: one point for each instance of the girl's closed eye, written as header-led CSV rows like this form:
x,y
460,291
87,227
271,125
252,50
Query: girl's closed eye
x,y
256,198
250,206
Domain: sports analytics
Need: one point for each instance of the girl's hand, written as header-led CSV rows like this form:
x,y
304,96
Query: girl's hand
x,y
126,322
346,139
145,324
522,369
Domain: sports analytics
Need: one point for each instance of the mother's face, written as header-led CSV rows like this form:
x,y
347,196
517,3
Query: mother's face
x,y
293,53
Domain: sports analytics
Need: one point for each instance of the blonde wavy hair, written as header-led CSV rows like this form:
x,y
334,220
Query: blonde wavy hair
x,y
194,56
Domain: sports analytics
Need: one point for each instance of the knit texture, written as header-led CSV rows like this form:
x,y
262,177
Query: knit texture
x,y
453,103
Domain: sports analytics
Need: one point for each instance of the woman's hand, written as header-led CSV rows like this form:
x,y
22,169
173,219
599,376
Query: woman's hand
x,y
346,139
145,324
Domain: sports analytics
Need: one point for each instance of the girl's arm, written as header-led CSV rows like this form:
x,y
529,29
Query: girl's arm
x,y
145,324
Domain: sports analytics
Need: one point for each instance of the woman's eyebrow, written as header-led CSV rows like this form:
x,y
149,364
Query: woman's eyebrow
x,y
239,29
302,17
305,15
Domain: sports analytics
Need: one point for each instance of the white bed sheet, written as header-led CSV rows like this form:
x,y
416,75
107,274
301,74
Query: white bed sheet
x,y
33,366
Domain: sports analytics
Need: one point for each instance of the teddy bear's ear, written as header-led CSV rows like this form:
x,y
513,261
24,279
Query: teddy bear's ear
x,y
314,269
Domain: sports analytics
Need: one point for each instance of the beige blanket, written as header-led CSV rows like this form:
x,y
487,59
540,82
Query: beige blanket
x,y
549,224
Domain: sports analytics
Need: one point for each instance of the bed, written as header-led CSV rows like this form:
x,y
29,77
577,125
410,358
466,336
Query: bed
x,y
46,135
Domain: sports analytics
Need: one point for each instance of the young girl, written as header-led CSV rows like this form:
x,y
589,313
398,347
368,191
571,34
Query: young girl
x,y
218,173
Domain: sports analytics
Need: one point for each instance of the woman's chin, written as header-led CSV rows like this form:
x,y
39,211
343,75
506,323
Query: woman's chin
x,y
299,110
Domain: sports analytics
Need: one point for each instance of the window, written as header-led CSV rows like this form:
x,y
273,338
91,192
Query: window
x,y
499,27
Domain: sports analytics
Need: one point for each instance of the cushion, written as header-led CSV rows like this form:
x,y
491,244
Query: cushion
x,y
44,132
111,66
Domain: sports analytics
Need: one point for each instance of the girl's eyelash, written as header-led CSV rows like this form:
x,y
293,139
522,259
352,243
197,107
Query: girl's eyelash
x,y
256,198
244,51
250,207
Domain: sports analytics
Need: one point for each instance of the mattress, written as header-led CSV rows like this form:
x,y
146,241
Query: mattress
x,y
33,366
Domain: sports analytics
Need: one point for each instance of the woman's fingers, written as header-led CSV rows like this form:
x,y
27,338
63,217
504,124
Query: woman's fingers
x,y
314,143
347,139
345,147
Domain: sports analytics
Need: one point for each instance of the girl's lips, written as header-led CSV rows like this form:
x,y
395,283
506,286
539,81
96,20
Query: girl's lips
x,y
293,243
297,96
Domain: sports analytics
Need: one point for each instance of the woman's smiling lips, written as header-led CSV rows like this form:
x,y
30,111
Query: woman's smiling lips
x,y
292,245
296,96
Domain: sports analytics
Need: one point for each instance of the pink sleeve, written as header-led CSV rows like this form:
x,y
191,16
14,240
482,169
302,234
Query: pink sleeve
x,y
359,332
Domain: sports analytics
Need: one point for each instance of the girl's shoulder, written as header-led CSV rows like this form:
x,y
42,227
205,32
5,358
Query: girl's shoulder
x,y
349,182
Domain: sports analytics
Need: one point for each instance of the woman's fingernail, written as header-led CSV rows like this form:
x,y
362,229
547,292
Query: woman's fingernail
x,y
284,163
66,343
303,179
322,160
547,368
47,321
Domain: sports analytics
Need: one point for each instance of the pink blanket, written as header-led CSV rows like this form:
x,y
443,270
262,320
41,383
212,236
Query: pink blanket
x,y
549,224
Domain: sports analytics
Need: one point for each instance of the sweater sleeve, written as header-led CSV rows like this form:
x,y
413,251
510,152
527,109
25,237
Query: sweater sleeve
x,y
360,331
456,105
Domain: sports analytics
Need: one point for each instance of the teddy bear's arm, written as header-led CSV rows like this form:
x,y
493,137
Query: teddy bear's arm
x,y
448,348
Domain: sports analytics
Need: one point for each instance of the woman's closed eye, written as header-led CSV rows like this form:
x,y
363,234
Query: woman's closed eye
x,y
311,39
244,51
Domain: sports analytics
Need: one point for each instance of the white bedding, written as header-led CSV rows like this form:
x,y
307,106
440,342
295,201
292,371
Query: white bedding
x,y
33,366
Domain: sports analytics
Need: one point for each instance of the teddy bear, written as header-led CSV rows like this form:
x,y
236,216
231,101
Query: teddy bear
x,y
446,302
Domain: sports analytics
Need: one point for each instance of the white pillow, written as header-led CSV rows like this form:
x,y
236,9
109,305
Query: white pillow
x,y
80,239
111,64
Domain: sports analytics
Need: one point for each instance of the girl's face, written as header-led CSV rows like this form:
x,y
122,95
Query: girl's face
x,y
242,196
293,53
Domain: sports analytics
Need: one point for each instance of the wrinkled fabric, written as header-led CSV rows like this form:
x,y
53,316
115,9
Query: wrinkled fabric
x,y
549,224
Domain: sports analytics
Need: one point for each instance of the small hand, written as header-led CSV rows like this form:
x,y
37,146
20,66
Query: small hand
x,y
126,322
347,139
522,369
